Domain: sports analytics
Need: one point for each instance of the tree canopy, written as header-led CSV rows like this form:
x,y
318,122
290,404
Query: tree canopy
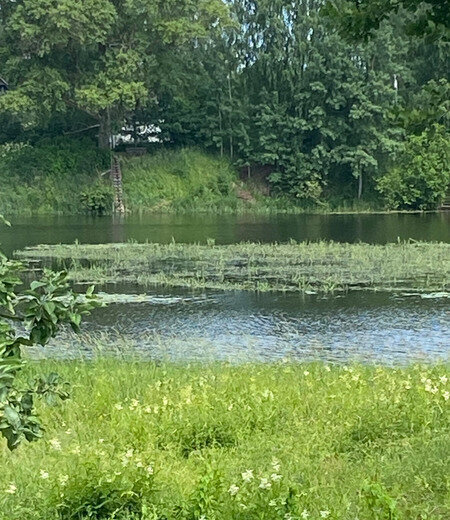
x,y
323,95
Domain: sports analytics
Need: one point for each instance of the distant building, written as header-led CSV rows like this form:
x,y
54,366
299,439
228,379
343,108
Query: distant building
x,y
3,86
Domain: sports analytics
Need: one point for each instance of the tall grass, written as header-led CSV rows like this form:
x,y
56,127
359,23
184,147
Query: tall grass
x,y
145,441
302,267
182,180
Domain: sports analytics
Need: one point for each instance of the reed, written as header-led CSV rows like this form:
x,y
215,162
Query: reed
x,y
302,267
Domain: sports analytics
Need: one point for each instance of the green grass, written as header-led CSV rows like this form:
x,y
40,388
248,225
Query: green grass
x,y
178,181
302,267
144,441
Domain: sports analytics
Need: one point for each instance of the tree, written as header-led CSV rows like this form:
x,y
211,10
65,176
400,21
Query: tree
x,y
40,312
421,175
359,19
103,57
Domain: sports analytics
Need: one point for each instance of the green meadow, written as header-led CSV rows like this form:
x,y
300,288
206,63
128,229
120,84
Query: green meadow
x,y
140,440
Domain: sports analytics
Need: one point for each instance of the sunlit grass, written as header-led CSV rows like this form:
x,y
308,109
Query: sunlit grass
x,y
254,441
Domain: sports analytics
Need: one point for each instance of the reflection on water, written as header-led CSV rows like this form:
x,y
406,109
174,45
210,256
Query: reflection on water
x,y
226,229
243,326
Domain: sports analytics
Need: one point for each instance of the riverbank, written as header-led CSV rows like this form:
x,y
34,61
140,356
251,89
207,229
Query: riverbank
x,y
144,441
69,177
306,267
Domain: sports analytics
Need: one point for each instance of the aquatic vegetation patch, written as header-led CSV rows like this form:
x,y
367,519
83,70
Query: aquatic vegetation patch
x,y
144,440
306,267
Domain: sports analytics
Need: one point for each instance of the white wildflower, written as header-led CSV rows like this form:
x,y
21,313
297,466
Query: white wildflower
x,y
233,490
304,514
443,380
165,401
69,432
139,464
55,444
446,395
268,394
149,470
275,464
327,368
273,503
275,477
247,476
134,404
11,489
44,474
76,450
118,406
324,514
63,479
306,373
265,484
129,453
101,441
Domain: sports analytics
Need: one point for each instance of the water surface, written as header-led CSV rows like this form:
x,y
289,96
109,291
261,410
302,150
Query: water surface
x,y
226,229
236,325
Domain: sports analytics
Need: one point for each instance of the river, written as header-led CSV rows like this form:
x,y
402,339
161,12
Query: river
x,y
181,324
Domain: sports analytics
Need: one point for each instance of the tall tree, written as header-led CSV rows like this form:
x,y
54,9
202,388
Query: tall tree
x,y
100,56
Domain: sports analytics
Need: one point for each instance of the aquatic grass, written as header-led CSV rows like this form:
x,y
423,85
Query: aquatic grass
x,y
145,440
305,267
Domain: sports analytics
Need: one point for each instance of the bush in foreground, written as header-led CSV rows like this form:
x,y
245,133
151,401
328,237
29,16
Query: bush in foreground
x,y
146,441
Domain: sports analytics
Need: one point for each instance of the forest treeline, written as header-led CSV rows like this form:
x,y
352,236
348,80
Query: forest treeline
x,y
332,99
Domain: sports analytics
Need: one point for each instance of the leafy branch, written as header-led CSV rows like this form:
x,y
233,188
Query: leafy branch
x,y
42,310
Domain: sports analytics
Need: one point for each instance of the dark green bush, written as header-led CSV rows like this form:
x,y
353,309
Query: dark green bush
x,y
421,177
49,176
97,198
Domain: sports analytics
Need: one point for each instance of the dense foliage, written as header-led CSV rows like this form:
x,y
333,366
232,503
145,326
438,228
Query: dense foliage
x,y
325,97
420,178
40,311
53,176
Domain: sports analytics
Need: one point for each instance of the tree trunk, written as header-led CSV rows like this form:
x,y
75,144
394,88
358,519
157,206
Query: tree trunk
x,y
104,133
360,185
230,116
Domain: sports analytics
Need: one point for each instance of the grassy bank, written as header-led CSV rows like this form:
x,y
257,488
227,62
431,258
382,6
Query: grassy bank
x,y
302,267
179,181
63,177
140,441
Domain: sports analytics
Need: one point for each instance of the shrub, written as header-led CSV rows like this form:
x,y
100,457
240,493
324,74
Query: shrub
x,y
97,198
421,178
48,177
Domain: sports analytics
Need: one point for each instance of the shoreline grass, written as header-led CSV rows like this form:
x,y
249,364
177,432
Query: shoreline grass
x,y
139,440
302,267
